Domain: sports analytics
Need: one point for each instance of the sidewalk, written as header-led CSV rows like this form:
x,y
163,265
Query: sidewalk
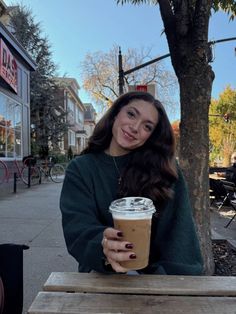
x,y
32,217
218,221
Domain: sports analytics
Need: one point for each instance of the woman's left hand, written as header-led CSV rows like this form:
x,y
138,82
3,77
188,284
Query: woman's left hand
x,y
116,250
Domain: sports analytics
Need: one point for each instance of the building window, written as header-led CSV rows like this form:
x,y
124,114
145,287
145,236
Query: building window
x,y
71,138
79,116
71,106
10,127
71,111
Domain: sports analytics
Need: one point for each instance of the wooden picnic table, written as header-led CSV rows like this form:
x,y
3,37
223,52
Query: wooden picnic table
x,y
98,293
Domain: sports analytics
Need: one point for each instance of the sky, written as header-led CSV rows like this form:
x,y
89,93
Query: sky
x,y
77,27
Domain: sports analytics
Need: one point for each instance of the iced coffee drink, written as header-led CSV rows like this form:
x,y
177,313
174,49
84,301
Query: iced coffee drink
x,y
133,216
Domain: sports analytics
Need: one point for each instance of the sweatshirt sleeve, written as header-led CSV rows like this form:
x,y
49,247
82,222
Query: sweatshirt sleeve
x,y
175,247
82,229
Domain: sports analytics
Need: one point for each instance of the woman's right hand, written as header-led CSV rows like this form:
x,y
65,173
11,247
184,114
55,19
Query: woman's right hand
x,y
116,250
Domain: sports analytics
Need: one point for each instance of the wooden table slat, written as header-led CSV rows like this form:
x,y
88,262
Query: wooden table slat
x,y
144,284
68,303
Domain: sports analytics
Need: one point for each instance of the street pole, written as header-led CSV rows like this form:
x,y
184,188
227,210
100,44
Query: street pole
x,y
121,73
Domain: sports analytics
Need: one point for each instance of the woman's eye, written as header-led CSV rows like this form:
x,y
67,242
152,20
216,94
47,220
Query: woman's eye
x,y
130,114
148,128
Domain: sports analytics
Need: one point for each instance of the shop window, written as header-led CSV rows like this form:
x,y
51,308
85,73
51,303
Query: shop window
x,y
10,127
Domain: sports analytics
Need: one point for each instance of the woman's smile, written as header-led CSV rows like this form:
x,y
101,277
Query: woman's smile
x,y
128,135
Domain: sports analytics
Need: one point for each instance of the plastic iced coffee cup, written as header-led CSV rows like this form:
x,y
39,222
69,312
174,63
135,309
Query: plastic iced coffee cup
x,y
133,216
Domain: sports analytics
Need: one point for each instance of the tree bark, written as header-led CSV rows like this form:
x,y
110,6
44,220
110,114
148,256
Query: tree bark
x,y
186,27
195,95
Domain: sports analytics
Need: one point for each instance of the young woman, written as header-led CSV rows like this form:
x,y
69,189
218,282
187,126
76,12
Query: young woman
x,y
131,153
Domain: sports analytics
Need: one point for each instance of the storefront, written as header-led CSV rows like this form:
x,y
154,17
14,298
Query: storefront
x,y
15,68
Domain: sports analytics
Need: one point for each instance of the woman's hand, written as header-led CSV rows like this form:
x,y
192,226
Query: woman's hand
x,y
116,250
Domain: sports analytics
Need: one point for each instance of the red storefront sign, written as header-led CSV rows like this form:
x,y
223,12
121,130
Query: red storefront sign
x,y
142,88
8,66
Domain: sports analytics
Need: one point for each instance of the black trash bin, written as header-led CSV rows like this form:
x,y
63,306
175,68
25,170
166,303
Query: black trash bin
x,y
11,273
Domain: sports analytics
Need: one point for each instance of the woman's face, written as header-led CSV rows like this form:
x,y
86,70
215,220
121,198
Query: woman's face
x,y
132,126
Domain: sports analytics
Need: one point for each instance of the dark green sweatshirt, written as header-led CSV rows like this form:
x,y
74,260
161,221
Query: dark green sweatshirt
x,y
90,186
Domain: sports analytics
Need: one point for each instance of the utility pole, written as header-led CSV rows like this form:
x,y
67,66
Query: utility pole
x,y
122,73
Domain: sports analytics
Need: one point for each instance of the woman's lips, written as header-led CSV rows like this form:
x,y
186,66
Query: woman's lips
x,y
128,136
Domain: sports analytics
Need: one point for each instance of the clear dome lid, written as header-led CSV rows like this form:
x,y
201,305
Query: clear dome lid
x,y
133,205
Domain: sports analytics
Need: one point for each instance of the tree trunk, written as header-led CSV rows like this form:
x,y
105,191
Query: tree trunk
x,y
195,95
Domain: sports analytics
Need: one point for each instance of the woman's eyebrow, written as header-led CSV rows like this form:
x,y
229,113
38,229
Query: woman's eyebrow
x,y
138,113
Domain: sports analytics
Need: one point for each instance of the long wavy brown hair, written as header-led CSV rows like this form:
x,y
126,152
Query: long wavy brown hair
x,y
151,169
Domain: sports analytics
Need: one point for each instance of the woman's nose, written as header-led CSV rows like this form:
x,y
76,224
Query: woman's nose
x,y
134,127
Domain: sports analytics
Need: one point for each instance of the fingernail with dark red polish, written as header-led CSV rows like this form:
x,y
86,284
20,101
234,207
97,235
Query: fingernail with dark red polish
x,y
129,246
120,234
132,256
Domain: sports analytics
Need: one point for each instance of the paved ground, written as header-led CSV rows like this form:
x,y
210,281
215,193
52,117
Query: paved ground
x,y
218,222
32,217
